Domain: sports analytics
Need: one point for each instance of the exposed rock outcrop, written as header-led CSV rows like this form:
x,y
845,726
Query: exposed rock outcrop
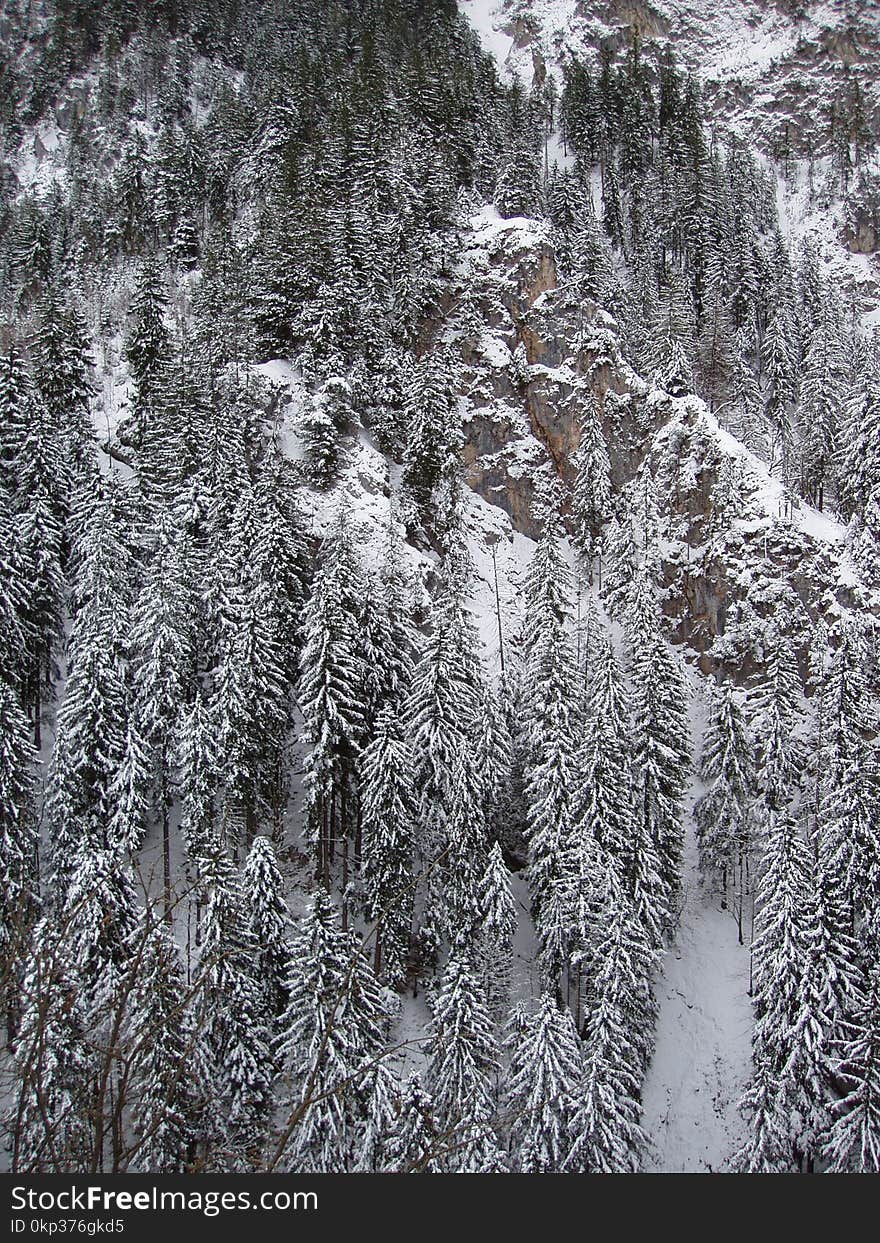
x,y
542,354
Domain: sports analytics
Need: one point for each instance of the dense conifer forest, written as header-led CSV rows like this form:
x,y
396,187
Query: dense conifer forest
x,y
439,521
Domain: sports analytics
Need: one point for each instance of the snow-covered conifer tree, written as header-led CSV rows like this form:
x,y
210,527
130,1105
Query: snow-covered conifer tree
x,y
462,1066
542,1086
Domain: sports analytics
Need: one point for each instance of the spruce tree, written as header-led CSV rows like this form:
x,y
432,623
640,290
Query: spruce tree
x,y
387,844
541,1087
591,501
722,814
53,1127
853,1142
788,1028
607,1135
268,921
462,1064
164,1091
498,925
330,675
234,1036
331,1032
19,848
414,1146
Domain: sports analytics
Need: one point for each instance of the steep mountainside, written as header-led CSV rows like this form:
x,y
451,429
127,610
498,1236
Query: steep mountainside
x,y
439,530
770,71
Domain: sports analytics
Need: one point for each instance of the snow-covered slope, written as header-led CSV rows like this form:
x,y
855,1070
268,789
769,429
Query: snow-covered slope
x,y
756,59
772,72
756,63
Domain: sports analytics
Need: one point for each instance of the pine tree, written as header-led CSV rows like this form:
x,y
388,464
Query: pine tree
x,y
817,411
788,1029
768,1147
847,786
15,413
853,1142
604,809
414,1146
131,792
518,189
330,675
431,417
164,1093
622,564
62,367
591,502
99,917
90,740
233,1026
779,370
607,1136
443,720
91,721
495,762
53,1130
661,761
382,1108
778,717
387,641
147,350
197,779
162,625
320,434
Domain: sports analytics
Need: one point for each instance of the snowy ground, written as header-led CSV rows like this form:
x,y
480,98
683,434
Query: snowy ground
x,y
702,1058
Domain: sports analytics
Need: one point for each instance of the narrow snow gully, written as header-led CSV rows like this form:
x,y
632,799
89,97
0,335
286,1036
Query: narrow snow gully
x,y
702,1059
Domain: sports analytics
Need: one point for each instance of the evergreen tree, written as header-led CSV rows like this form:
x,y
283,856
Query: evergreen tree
x,y
19,848
788,1029
162,628
768,1147
330,675
462,1063
431,416
607,1136
605,807
661,761
62,367
542,1083
778,716
853,1143
268,919
53,1126
414,1146
164,1091
722,814
387,843
147,350
332,1030
443,718
498,926
234,1036
375,1143
591,502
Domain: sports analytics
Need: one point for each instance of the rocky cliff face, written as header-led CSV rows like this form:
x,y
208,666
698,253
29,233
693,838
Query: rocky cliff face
x,y
769,68
534,355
